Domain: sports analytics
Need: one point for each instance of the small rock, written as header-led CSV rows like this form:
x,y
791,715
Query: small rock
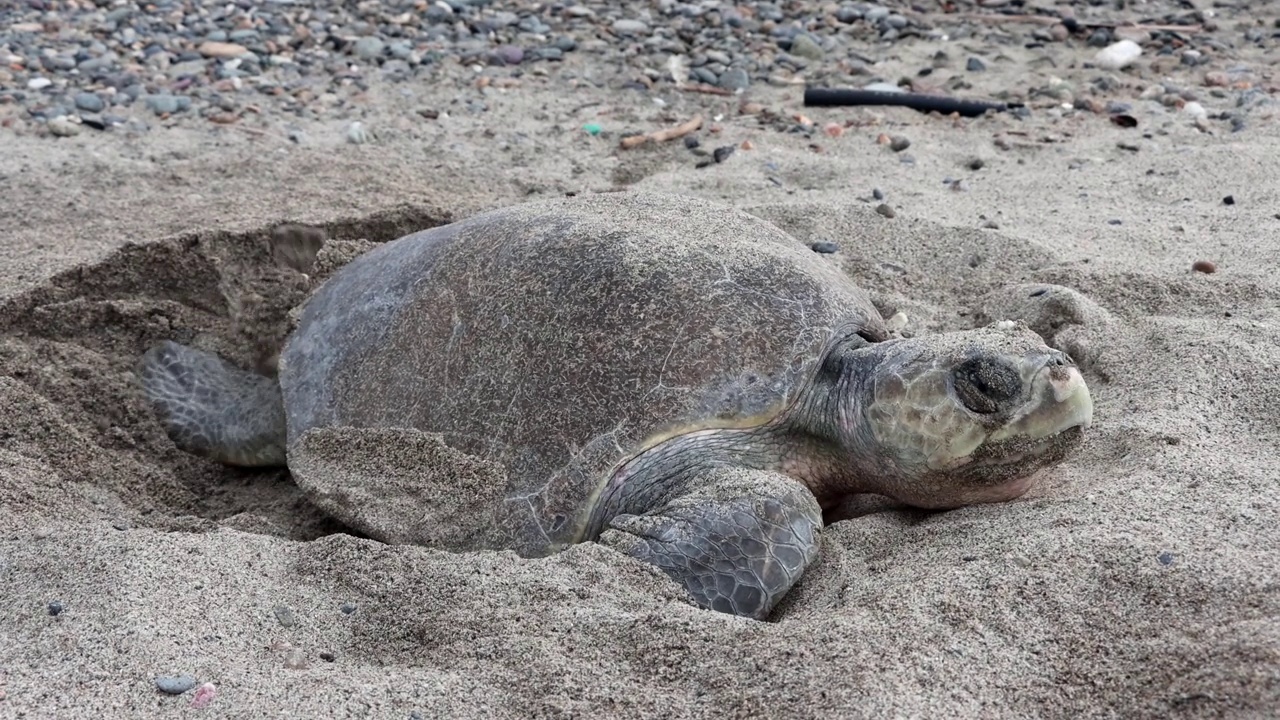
x,y
974,64
1229,200
691,141
722,153
38,83
348,608
735,79
898,143
1216,78
1165,558
975,163
877,193
1195,110
175,684
630,27
885,210
55,608
508,55
327,656
167,104
357,134
805,46
295,660
89,102
225,50
824,246
368,48
62,127
285,615
1118,55
1100,38
1204,266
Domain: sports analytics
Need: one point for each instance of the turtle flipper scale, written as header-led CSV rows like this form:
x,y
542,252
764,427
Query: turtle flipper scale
x,y
737,543
211,408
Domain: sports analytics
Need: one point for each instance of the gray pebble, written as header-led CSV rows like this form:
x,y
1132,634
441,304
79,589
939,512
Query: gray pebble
x,y
974,64
896,21
55,608
899,143
876,14
824,246
62,127
848,13
508,55
175,684
735,79
885,210
368,48
161,104
1100,38
348,608
285,615
805,46
89,102
630,27
877,193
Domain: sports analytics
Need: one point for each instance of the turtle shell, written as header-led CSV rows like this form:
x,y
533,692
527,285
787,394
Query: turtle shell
x,y
554,339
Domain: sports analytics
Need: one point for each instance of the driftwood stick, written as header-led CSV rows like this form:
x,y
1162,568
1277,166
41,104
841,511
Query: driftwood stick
x,y
663,135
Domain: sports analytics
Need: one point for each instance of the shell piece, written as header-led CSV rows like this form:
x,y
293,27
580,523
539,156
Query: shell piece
x,y
551,339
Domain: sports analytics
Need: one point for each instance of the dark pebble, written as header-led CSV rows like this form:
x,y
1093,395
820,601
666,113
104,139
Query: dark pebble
x,y
1229,200
1166,558
327,656
975,164
1113,221
824,246
899,143
348,608
722,153
691,141
975,65
1204,266
1100,38
877,193
175,684
55,608
885,210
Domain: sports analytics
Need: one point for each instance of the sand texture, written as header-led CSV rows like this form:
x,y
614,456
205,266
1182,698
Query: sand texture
x,y
1140,579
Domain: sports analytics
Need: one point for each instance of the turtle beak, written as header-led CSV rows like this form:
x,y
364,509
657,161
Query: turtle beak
x,y
1060,400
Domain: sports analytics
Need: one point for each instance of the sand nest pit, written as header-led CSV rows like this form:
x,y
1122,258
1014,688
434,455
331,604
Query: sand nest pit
x,y
69,348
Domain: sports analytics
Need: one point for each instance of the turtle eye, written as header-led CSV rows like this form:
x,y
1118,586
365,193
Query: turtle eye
x,y
983,384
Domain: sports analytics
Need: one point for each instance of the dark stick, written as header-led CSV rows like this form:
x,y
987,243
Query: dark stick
x,y
832,97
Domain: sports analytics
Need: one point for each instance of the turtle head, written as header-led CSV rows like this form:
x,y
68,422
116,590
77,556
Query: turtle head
x,y
957,418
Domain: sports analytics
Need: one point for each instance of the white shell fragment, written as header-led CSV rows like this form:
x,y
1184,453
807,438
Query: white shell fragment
x,y
1118,55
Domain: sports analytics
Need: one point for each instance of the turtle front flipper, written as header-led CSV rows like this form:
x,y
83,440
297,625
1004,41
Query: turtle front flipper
x,y
737,542
211,408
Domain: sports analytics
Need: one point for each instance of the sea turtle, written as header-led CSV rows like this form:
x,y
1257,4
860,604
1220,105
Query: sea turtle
x,y
674,378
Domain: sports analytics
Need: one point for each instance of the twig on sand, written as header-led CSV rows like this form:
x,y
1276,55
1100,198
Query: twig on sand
x,y
663,135
706,89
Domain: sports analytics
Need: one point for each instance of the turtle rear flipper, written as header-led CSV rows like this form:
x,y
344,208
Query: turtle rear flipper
x,y
737,543
211,408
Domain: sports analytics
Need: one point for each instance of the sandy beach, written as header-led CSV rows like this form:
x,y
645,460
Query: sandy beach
x,y
1139,579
